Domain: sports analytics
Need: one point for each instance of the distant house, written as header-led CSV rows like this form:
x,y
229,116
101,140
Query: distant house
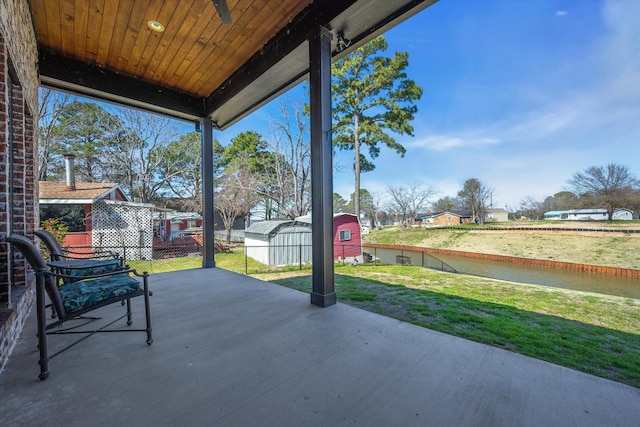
x,y
496,215
595,214
169,224
449,218
99,215
288,242
555,215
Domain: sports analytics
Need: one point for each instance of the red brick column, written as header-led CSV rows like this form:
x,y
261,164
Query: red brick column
x,y
4,166
17,176
18,147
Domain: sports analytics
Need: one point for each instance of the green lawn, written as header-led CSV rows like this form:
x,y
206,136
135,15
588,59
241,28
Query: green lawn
x,y
596,334
234,261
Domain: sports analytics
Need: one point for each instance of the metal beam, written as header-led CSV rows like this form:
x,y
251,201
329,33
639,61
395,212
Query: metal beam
x,y
206,127
318,13
323,289
70,75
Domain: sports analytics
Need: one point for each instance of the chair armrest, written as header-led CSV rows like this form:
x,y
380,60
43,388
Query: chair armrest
x,y
94,254
57,272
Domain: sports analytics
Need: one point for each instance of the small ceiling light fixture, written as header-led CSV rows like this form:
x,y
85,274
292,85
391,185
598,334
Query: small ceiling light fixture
x,y
156,26
342,42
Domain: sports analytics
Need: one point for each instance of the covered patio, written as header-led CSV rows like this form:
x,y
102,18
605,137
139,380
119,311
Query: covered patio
x,y
231,350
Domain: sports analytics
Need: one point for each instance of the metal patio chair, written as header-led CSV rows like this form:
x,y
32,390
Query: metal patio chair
x,y
95,262
71,296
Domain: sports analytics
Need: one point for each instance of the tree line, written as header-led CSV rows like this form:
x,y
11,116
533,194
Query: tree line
x,y
154,163
612,186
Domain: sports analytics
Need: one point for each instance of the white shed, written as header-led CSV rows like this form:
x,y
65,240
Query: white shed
x,y
278,243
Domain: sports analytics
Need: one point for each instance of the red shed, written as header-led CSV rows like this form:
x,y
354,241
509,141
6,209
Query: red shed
x,y
347,236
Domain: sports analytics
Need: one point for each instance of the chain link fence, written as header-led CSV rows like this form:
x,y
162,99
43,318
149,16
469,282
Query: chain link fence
x,y
265,258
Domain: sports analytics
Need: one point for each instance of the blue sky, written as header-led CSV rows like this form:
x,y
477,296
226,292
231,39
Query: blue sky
x,y
520,94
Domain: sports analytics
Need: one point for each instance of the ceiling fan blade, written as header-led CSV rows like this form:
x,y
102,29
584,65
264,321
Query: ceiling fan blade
x,y
223,11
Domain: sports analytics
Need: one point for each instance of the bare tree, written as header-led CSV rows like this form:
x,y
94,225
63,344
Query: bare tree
x,y
409,200
288,172
532,208
52,103
610,187
140,151
375,208
182,164
235,196
475,196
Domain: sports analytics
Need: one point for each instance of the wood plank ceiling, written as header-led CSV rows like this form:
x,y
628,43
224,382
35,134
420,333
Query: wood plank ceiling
x,y
197,67
195,53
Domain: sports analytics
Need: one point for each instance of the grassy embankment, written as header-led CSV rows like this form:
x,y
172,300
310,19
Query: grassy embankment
x,y
615,249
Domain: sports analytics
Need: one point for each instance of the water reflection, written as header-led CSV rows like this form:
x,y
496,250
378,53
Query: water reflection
x,y
576,280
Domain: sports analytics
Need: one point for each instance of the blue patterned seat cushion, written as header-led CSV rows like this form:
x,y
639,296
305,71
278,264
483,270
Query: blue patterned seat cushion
x,y
90,267
84,293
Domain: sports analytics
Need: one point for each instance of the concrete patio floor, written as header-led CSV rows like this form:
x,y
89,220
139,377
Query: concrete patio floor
x,y
230,350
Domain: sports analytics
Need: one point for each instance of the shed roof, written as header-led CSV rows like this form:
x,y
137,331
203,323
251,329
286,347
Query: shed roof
x,y
85,192
266,229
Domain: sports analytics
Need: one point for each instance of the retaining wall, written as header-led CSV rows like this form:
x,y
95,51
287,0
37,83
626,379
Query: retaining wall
x,y
613,271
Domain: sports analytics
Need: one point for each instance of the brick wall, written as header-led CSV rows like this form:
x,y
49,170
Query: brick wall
x,y
18,151
4,167
16,26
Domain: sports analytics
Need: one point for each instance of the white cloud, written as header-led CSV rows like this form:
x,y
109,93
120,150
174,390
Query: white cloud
x,y
561,13
450,142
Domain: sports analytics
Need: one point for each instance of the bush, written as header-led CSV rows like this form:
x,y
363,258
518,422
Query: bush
x,y
55,227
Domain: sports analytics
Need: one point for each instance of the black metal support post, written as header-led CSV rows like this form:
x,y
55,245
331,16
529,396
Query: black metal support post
x,y
42,332
208,260
323,290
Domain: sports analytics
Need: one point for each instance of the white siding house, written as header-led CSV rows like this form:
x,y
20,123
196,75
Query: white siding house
x,y
496,215
598,214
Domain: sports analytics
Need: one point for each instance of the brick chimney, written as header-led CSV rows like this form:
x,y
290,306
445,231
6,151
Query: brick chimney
x,y
70,176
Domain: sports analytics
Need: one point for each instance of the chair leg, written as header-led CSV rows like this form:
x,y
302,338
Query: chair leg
x,y
145,281
129,321
42,328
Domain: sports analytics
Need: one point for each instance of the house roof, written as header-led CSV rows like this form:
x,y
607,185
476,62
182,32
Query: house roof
x,y
85,192
584,211
198,66
461,214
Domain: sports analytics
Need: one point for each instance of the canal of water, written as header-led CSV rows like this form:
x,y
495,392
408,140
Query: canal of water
x,y
555,277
